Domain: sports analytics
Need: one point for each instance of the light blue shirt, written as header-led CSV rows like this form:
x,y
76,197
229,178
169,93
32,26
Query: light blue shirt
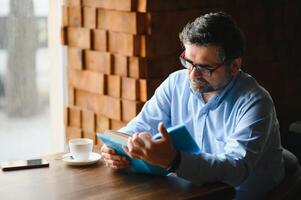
x,y
237,131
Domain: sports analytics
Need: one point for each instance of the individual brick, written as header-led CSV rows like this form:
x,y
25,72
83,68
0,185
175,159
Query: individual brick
x,y
71,98
114,86
138,67
143,90
125,44
89,101
75,58
72,132
88,121
99,40
129,88
87,80
75,16
147,88
89,17
64,15
120,65
102,123
126,22
116,124
90,135
73,2
130,109
75,117
79,37
124,5
98,61
111,107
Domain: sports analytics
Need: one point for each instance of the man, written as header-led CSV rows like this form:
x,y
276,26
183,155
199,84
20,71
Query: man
x,y
230,116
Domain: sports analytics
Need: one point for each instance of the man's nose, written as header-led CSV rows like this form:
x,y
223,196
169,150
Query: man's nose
x,y
193,73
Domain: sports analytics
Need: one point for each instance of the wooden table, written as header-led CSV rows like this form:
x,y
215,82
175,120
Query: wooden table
x,y
60,181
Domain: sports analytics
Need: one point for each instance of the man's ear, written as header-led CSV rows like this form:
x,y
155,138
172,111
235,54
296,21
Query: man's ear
x,y
235,66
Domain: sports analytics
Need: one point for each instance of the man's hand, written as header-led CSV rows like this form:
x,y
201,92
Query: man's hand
x,y
158,152
112,160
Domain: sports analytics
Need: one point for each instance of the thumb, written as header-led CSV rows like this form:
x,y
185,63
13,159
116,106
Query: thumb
x,y
163,131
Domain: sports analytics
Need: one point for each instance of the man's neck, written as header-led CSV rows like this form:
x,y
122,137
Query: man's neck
x,y
207,96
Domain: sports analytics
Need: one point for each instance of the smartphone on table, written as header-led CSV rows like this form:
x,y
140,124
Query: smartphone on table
x,y
24,164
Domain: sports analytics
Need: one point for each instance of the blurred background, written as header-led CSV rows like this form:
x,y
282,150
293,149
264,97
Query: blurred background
x,y
24,79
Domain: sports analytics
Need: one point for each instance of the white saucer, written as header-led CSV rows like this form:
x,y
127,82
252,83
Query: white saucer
x,y
94,158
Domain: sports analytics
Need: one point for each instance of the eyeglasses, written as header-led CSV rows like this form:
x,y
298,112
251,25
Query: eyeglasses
x,y
201,68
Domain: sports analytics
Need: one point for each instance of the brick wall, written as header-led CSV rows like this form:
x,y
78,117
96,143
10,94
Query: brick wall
x,y
120,51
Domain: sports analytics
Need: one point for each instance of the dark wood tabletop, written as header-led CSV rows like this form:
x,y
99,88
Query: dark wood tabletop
x,y
96,181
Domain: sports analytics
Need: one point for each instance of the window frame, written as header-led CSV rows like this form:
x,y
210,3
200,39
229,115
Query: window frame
x,y
57,58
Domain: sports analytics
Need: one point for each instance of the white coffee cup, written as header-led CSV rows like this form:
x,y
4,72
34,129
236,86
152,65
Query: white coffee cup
x,y
81,148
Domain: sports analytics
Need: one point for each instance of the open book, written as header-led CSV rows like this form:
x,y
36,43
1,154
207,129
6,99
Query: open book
x,y
181,138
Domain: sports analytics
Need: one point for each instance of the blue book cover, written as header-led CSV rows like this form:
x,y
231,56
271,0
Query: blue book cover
x,y
181,138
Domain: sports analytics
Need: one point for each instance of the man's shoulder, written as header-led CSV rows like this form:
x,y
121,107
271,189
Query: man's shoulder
x,y
177,77
249,88
179,74
176,82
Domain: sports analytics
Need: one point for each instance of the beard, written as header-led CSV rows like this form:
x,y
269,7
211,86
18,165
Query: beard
x,y
200,85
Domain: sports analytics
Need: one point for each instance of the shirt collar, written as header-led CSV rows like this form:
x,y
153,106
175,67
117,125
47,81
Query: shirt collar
x,y
218,98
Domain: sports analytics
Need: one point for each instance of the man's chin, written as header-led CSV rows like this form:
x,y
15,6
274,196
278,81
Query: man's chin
x,y
200,90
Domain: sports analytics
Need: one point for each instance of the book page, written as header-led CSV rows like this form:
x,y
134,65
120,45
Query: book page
x,y
115,135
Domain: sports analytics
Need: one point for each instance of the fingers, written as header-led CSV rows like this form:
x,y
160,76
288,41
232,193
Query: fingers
x,y
135,143
145,135
115,161
105,149
113,157
138,145
134,148
112,160
141,140
137,140
163,131
116,164
133,153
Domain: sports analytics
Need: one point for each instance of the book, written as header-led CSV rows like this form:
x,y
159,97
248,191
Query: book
x,y
181,138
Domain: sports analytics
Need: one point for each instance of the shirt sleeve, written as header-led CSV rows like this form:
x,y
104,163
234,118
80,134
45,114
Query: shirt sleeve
x,y
243,148
156,110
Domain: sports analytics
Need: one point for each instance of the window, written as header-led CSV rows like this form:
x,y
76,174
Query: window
x,y
31,92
